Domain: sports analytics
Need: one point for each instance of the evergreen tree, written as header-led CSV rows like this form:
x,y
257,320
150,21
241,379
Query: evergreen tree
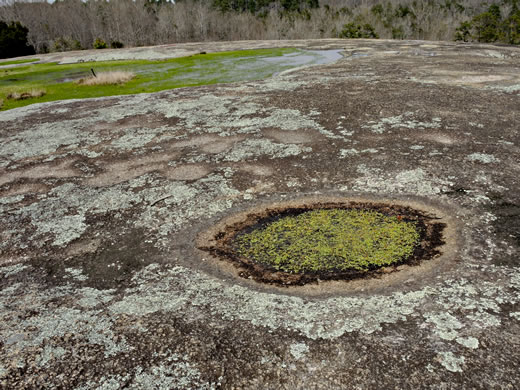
x,y
13,40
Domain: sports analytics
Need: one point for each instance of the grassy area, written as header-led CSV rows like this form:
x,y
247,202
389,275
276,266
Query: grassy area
x,y
60,81
14,62
330,240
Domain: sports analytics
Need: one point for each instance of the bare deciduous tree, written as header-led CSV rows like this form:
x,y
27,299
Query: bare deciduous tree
x,y
75,24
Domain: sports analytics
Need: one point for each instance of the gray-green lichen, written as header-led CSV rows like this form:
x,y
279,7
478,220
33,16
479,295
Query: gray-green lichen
x,y
13,269
468,342
35,141
174,373
184,202
231,133
77,274
405,120
212,114
48,354
261,147
446,326
60,216
3,371
299,350
312,319
451,362
416,181
483,158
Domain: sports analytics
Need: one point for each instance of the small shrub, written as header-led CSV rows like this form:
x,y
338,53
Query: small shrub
x,y
377,10
100,44
108,78
463,32
290,5
66,44
345,11
403,12
353,30
313,3
116,45
22,95
512,26
398,32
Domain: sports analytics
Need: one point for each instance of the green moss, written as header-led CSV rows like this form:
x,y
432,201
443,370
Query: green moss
x,y
151,76
329,240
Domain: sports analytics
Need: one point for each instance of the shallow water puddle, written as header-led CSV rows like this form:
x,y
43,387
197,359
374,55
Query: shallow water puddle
x,y
59,81
243,68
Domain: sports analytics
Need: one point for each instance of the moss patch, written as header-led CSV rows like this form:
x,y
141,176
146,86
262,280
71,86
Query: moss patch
x,y
329,240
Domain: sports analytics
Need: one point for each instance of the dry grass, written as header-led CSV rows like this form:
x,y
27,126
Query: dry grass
x,y
107,78
21,95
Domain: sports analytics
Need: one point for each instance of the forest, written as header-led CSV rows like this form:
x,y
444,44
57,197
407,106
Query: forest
x,y
75,24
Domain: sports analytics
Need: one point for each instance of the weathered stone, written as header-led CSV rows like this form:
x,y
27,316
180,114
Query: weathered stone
x,y
101,201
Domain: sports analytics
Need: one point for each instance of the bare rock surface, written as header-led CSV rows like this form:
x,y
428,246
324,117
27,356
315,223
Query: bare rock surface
x,y
102,201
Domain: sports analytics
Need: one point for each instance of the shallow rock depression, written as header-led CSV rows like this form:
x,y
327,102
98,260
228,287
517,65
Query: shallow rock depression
x,y
104,204
317,239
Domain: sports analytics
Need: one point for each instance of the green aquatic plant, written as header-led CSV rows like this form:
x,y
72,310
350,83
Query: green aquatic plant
x,y
329,240
151,75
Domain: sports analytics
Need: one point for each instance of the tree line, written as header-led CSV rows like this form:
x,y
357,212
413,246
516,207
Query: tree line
x,y
76,24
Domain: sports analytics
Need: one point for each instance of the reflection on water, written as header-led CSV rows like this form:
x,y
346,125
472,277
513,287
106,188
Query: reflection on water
x,y
228,70
199,70
307,57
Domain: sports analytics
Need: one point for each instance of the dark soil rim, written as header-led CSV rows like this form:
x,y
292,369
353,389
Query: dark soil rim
x,y
429,226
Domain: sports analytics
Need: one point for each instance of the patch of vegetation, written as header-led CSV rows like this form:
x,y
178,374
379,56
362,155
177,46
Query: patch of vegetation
x,y
99,44
108,78
328,240
354,30
15,62
28,94
66,44
116,45
151,76
13,40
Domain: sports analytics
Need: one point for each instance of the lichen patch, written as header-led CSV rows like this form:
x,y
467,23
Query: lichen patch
x,y
103,286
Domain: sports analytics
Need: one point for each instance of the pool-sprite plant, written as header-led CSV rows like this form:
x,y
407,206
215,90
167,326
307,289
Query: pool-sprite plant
x,y
329,240
151,75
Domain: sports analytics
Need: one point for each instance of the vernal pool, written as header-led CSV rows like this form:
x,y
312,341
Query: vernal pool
x,y
232,66
59,80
